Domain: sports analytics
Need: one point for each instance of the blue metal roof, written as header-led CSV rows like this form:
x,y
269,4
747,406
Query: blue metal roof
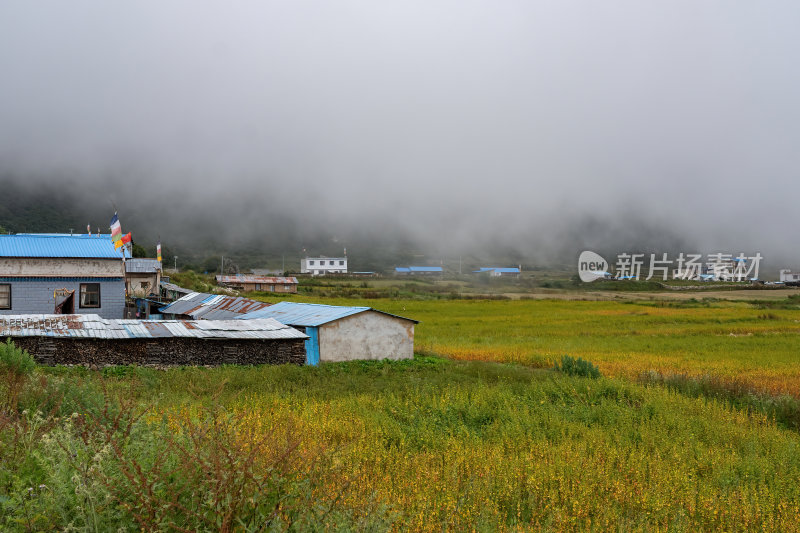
x,y
513,270
309,315
402,269
60,245
426,269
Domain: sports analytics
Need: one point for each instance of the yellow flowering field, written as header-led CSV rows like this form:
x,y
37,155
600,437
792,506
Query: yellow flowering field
x,y
436,445
728,340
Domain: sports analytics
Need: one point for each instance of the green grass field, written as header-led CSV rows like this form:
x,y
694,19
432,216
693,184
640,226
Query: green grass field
x,y
480,433
735,341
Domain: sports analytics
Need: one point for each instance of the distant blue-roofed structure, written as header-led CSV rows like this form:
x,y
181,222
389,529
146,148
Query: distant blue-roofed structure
x,y
61,273
59,245
499,271
342,333
419,270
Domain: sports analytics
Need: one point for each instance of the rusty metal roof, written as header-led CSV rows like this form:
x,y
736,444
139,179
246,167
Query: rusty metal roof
x,y
94,327
212,306
246,278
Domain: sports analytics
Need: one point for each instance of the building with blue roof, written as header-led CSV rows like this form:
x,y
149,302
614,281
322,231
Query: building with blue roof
x,y
60,273
499,271
342,333
419,270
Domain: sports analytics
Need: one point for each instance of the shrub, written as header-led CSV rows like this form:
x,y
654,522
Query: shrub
x,y
16,365
578,367
15,360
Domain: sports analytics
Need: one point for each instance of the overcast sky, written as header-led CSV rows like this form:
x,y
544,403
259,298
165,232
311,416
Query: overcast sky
x,y
456,121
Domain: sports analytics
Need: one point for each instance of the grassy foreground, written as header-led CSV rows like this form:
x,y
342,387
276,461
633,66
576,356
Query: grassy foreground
x,y
424,445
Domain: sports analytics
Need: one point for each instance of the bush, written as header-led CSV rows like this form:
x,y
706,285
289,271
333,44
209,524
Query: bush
x,y
16,365
578,367
15,360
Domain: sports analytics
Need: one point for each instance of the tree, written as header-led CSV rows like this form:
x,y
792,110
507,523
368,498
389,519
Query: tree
x,y
138,250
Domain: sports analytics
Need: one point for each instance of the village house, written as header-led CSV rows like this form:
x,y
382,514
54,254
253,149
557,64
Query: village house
x,y
319,266
245,282
337,333
142,277
62,274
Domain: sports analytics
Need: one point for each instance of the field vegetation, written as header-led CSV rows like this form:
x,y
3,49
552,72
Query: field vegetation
x,y
547,415
753,344
426,445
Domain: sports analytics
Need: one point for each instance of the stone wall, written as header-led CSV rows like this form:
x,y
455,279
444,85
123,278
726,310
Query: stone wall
x,y
162,352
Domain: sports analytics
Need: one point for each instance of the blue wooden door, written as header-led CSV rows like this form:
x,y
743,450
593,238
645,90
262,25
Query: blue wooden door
x,y
312,346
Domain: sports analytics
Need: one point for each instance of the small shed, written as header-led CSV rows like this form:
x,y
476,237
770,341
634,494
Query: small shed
x,y
337,333
170,291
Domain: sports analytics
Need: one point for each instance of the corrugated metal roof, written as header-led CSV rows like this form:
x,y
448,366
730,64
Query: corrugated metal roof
x,y
142,265
245,278
172,287
58,245
94,327
212,306
419,269
504,270
311,315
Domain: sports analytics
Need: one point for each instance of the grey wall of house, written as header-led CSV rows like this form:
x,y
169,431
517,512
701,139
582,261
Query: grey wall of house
x,y
35,296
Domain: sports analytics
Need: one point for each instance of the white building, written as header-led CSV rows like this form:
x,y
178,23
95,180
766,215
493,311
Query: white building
x,y
319,266
789,276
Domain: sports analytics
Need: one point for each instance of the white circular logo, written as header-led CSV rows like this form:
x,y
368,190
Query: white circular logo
x,y
592,266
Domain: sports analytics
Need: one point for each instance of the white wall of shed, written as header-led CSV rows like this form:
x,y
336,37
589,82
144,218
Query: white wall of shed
x,y
366,336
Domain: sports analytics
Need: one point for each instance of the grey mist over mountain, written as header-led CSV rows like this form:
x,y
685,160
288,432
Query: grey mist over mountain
x,y
451,127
